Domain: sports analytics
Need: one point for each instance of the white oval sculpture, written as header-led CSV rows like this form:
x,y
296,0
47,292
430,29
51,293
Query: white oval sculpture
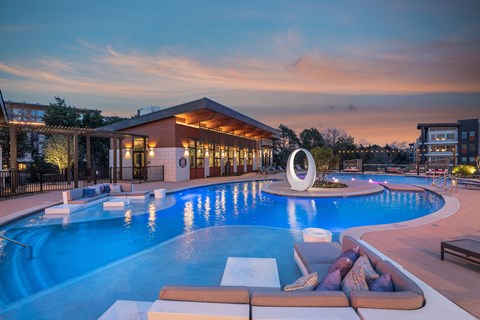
x,y
295,182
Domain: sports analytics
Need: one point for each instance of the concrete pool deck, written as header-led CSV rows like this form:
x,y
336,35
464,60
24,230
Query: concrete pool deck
x,y
416,248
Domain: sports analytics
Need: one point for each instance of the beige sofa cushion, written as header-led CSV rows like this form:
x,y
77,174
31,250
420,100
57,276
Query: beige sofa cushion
x,y
300,299
74,194
317,252
206,294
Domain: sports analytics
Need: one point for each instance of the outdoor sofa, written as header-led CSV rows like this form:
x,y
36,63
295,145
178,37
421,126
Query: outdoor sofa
x,y
80,198
274,304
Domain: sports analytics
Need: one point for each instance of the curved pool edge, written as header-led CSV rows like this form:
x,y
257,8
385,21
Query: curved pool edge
x,y
451,207
21,302
354,189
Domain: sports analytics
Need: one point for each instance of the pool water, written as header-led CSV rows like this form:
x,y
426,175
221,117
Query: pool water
x,y
67,248
382,178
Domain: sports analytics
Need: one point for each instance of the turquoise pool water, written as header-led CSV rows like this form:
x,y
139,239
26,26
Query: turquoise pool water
x,y
69,248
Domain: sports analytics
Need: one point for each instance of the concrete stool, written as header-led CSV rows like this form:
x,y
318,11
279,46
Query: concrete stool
x,y
160,193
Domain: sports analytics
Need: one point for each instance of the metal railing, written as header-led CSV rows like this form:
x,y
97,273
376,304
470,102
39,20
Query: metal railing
x,y
20,182
30,253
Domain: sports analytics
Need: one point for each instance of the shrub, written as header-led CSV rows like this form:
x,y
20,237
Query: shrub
x,y
464,170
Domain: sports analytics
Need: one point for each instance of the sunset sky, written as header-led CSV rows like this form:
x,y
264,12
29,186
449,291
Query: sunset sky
x,y
372,68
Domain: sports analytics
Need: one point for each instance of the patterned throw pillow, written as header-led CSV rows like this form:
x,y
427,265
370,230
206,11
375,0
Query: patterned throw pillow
x,y
305,283
331,282
354,281
364,263
382,283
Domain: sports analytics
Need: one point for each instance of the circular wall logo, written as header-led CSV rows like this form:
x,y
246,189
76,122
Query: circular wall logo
x,y
182,162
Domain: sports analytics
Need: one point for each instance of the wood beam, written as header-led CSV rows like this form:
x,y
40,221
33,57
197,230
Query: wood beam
x,y
197,118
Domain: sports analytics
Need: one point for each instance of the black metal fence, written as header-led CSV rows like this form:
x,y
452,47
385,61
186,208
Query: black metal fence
x,y
19,182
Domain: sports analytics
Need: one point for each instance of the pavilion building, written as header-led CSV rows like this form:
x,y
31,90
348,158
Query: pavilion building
x,y
197,139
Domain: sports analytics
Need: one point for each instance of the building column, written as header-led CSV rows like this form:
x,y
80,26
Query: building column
x,y
120,163
235,161
13,148
254,160
114,147
145,159
89,160
75,160
13,158
69,159
222,162
206,164
245,161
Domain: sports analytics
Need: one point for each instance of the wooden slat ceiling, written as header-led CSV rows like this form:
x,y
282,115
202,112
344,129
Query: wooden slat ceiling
x,y
216,121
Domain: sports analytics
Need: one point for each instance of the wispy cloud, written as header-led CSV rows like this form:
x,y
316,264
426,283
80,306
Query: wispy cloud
x,y
448,66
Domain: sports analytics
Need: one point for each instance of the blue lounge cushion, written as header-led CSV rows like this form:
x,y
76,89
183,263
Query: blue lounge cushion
x,y
88,193
382,283
106,188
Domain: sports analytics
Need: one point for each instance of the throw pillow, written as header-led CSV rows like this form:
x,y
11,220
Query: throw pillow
x,y
382,283
102,188
106,188
364,263
343,264
352,253
88,193
305,283
331,282
115,188
97,190
354,281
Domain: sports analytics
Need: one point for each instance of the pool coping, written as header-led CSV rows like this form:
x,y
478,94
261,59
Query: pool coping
x,y
451,207
281,188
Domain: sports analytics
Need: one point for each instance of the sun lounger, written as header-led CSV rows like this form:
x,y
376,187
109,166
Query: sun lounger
x,y
467,249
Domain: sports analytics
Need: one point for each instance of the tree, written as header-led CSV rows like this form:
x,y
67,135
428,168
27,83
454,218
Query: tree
x,y
55,151
311,138
338,140
325,160
24,146
59,114
286,144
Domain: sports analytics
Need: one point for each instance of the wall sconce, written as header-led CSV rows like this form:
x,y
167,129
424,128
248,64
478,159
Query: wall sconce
x,y
151,153
127,153
186,152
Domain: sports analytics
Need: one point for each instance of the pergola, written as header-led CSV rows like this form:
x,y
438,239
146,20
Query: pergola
x,y
74,132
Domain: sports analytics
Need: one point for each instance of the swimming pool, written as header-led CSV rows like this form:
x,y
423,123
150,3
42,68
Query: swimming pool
x,y
65,249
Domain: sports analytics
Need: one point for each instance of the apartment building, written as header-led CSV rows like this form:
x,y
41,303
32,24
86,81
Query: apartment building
x,y
448,143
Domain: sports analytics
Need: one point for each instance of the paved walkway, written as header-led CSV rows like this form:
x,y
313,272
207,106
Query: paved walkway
x,y
416,249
